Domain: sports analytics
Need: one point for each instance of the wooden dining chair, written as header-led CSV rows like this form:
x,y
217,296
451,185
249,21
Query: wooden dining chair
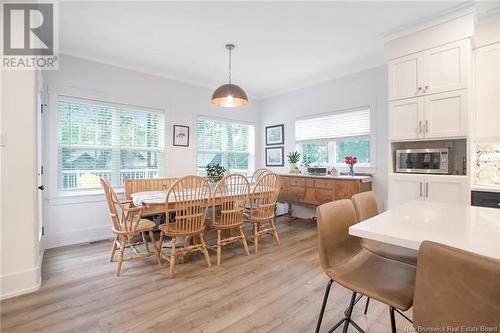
x,y
127,223
188,199
230,196
262,211
258,173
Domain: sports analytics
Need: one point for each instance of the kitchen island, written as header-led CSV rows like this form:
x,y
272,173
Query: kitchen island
x,y
312,190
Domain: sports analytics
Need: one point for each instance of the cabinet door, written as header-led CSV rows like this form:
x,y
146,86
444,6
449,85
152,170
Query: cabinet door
x,y
446,67
487,120
404,188
297,193
406,119
446,114
449,189
406,76
345,189
284,194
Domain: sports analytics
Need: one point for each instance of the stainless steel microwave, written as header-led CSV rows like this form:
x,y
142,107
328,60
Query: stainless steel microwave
x,y
434,160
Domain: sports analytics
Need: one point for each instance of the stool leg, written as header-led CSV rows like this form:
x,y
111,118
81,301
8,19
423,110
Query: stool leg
x,y
323,306
393,320
349,313
366,305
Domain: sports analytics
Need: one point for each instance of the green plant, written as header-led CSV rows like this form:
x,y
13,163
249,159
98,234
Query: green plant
x,y
293,157
306,162
215,172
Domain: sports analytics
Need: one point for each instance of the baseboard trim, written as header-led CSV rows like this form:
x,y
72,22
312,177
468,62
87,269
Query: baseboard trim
x,y
20,283
79,236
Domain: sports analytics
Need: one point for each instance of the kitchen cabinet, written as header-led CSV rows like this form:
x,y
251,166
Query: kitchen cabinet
x,y
440,69
487,91
441,115
439,188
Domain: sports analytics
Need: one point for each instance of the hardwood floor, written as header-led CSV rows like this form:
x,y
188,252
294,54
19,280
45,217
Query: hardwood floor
x,y
278,290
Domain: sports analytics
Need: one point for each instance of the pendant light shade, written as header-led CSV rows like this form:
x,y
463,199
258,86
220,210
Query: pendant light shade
x,y
229,95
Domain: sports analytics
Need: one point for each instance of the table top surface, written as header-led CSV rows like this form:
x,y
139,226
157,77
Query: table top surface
x,y
470,228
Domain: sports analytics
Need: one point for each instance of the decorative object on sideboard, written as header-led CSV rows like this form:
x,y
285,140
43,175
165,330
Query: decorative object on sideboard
x,y
229,95
275,135
334,171
350,161
275,156
181,136
215,172
293,159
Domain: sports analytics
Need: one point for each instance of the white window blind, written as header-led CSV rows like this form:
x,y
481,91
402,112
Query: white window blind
x,y
337,125
107,140
228,143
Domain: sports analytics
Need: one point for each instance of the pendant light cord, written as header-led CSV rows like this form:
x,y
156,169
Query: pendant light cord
x,y
230,49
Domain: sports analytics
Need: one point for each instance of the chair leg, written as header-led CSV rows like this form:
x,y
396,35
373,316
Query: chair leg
x,y
393,319
113,249
120,259
244,241
145,242
157,253
275,233
172,258
366,305
323,306
349,313
256,237
159,246
218,248
205,250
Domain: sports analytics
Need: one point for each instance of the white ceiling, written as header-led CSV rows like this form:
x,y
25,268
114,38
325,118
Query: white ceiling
x,y
280,46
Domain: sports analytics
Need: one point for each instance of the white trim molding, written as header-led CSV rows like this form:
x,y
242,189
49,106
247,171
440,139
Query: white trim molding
x,y
23,282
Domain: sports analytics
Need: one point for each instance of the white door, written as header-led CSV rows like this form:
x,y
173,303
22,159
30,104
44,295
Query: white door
x,y
406,77
487,120
406,119
448,189
446,67
446,114
404,188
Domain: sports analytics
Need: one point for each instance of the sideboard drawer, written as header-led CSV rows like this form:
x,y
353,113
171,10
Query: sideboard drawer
x,y
298,181
324,183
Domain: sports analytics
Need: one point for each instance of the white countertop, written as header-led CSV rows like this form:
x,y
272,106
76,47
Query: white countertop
x,y
474,229
486,188
364,179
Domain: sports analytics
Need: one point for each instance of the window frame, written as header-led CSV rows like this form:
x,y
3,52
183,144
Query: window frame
x,y
251,143
362,167
51,138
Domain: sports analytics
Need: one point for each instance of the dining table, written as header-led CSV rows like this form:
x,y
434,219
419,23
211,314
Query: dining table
x,y
470,228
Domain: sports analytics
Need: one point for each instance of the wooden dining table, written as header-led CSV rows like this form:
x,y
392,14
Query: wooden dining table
x,y
473,229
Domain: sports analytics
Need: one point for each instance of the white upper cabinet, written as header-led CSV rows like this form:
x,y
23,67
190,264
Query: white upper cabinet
x,y
406,118
446,67
440,69
406,77
487,88
446,115
435,116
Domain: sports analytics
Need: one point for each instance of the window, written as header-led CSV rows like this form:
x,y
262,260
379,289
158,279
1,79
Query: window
x,y
228,143
110,141
327,139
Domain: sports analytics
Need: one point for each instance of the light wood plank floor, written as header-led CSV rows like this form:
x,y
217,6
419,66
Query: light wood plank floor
x,y
278,290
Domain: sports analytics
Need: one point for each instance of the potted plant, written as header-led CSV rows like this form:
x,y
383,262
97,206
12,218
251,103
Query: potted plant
x,y
350,161
293,159
215,172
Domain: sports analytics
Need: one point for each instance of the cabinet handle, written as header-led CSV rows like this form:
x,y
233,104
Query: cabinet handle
x,y
419,88
426,87
420,126
426,190
420,183
426,126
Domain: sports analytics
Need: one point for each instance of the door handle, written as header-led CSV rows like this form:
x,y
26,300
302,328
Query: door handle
x,y
41,187
426,190
426,126
420,187
420,126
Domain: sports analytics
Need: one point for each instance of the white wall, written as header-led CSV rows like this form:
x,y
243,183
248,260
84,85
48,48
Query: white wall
x,y
360,89
20,260
73,219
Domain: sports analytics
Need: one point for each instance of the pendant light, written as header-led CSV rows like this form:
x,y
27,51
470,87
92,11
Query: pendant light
x,y
229,95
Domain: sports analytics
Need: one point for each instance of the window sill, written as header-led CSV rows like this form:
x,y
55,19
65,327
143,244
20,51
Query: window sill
x,y
79,196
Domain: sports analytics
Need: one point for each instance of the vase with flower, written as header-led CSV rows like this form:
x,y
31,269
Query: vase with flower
x,y
350,161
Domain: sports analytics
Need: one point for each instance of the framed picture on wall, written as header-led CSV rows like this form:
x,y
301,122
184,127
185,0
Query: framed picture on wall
x,y
181,136
275,135
275,156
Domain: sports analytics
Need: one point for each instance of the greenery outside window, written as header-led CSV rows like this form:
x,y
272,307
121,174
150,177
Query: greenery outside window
x,y
225,142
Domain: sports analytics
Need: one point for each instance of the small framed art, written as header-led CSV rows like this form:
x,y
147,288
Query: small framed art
x,y
275,135
181,136
275,156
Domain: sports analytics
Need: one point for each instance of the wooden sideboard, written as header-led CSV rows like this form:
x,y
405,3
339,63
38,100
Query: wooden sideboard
x,y
316,190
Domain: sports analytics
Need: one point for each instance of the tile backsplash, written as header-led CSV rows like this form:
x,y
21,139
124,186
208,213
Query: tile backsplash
x,y
487,168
